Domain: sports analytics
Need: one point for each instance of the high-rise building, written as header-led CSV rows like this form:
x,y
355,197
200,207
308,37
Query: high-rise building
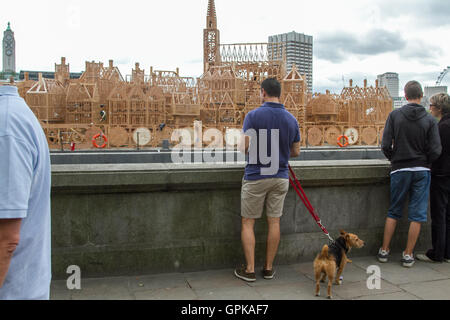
x,y
431,91
391,81
9,52
299,51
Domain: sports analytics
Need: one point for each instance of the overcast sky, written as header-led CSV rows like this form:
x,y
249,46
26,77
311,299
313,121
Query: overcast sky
x,y
352,39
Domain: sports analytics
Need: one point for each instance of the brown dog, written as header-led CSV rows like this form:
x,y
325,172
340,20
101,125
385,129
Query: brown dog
x,y
332,260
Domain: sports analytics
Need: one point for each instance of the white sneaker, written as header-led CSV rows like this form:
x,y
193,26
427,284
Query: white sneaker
x,y
383,256
424,258
408,260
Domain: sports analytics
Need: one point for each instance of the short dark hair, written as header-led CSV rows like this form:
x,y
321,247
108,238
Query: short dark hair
x,y
413,90
272,86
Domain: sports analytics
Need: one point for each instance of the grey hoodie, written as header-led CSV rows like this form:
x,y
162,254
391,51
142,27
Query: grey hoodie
x,y
411,138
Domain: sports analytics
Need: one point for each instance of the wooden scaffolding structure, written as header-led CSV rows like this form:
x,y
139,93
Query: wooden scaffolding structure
x,y
144,109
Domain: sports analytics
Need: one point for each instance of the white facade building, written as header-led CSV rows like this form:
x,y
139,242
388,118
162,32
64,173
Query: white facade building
x,y
431,91
391,81
299,50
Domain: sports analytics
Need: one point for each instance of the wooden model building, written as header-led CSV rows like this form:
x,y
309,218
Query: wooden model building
x,y
146,108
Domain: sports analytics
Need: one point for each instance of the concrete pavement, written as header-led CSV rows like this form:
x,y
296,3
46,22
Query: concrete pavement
x,y
424,281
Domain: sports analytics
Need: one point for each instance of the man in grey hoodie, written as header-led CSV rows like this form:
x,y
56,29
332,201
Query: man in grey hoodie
x,y
412,143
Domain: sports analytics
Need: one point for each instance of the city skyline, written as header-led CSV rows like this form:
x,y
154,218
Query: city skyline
x,y
352,45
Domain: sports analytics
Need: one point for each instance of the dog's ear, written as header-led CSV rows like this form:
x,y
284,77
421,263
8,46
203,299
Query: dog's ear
x,y
343,232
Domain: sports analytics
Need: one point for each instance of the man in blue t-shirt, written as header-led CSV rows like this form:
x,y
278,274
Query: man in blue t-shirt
x,y
25,243
271,136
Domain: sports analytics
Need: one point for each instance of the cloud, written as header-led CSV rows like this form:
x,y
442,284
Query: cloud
x,y
423,12
421,51
425,78
339,46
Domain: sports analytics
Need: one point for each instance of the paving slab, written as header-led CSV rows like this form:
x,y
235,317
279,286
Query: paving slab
x,y
116,296
354,290
228,293
390,296
306,268
432,290
443,268
352,272
213,279
167,294
395,273
161,281
284,275
59,291
294,291
292,282
103,289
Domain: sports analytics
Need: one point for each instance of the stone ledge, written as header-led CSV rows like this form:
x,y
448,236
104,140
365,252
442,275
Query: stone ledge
x,y
169,177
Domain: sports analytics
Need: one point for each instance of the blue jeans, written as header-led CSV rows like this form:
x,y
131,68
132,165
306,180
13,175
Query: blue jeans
x,y
416,184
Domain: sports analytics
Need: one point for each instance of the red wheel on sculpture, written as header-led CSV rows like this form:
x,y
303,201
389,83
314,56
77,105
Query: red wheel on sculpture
x,y
346,144
94,141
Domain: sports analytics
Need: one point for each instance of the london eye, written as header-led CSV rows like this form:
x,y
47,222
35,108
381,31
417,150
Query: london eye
x,y
442,76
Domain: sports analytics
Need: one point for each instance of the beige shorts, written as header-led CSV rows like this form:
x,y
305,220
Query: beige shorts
x,y
272,192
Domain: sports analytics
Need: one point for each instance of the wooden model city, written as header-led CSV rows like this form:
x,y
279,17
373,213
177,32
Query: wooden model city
x,y
104,108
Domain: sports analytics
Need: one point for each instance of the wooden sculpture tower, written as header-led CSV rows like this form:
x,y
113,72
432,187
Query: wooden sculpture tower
x,y
211,39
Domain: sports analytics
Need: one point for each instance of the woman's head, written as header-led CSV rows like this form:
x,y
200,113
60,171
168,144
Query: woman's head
x,y
440,104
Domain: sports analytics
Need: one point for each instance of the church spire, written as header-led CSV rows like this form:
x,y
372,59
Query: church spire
x,y
211,39
9,27
211,16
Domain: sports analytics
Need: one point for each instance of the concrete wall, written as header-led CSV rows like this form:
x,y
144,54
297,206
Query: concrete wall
x,y
141,219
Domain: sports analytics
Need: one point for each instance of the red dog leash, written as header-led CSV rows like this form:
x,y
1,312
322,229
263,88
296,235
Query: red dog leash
x,y
301,193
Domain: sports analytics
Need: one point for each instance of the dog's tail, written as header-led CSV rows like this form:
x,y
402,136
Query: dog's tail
x,y
324,253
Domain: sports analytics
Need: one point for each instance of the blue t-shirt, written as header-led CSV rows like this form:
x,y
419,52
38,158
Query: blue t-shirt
x,y
25,194
273,131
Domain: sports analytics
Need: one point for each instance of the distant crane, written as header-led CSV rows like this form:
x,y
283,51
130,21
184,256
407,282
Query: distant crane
x,y
442,75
